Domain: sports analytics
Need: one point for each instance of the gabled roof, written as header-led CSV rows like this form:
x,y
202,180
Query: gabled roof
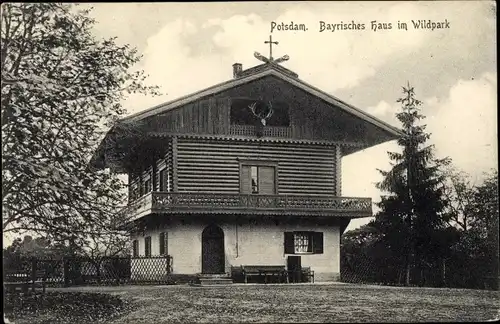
x,y
270,70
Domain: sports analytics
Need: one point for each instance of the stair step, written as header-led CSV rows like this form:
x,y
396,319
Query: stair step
x,y
218,275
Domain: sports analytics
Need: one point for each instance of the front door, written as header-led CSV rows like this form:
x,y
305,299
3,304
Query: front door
x,y
212,250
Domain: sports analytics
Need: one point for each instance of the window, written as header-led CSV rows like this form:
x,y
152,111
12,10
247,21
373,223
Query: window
x,y
164,180
147,183
135,248
163,243
303,242
258,179
147,246
141,189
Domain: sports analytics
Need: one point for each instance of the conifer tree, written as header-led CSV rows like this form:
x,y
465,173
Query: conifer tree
x,y
411,217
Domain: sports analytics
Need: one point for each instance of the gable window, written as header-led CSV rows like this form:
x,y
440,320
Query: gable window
x,y
147,246
135,248
163,243
303,242
258,179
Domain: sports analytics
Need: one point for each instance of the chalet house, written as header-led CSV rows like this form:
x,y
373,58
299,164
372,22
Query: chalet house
x,y
246,172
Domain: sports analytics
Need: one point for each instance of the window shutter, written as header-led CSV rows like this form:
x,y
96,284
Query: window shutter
x,y
266,180
317,242
161,180
289,243
162,243
246,180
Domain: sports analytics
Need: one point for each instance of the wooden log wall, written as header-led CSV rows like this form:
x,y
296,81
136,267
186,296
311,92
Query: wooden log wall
x,y
164,162
213,166
207,116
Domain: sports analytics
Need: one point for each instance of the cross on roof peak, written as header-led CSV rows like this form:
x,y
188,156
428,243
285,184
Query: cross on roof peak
x,y
270,59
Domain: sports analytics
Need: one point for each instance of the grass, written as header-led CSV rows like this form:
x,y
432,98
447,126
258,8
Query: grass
x,y
57,307
300,303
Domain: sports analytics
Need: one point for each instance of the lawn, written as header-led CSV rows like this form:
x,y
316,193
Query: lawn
x,y
300,303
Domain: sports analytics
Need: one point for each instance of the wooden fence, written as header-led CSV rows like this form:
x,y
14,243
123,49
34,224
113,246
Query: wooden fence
x,y
72,271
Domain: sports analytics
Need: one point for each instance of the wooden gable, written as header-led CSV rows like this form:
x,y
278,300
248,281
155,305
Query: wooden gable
x,y
307,116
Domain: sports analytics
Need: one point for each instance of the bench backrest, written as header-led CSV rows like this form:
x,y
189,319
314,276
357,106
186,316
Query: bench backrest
x,y
257,268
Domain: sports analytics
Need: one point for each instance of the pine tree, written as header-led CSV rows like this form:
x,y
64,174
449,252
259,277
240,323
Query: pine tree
x,y
411,216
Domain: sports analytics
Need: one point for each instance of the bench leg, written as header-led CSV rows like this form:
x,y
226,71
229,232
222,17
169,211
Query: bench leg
x,y
246,281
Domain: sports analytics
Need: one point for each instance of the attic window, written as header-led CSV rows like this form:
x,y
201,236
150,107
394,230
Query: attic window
x,y
241,113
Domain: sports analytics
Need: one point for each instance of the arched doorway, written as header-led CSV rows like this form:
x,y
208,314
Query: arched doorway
x,y
212,250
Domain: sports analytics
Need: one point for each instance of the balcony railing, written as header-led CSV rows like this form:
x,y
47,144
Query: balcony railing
x,y
176,202
269,131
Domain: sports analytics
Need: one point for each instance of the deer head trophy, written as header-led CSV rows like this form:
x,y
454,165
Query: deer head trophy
x,y
263,114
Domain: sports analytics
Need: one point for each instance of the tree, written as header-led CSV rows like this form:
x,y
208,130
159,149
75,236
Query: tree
x,y
475,254
411,216
458,192
61,88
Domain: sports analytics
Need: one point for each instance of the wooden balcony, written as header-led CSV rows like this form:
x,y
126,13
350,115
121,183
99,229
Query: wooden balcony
x,y
207,203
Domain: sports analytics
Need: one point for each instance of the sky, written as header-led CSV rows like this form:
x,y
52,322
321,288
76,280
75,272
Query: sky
x,y
187,47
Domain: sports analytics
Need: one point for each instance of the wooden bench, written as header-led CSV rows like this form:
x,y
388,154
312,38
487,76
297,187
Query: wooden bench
x,y
264,270
18,279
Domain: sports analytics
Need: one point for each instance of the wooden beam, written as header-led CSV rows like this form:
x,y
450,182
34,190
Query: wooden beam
x,y
274,140
154,177
174,164
338,171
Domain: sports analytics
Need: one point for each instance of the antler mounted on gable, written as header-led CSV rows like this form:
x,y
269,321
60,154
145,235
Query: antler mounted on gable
x,y
264,114
270,112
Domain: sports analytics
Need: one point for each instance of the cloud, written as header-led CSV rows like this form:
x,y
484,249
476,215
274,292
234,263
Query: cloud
x,y
464,124
385,111
348,56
